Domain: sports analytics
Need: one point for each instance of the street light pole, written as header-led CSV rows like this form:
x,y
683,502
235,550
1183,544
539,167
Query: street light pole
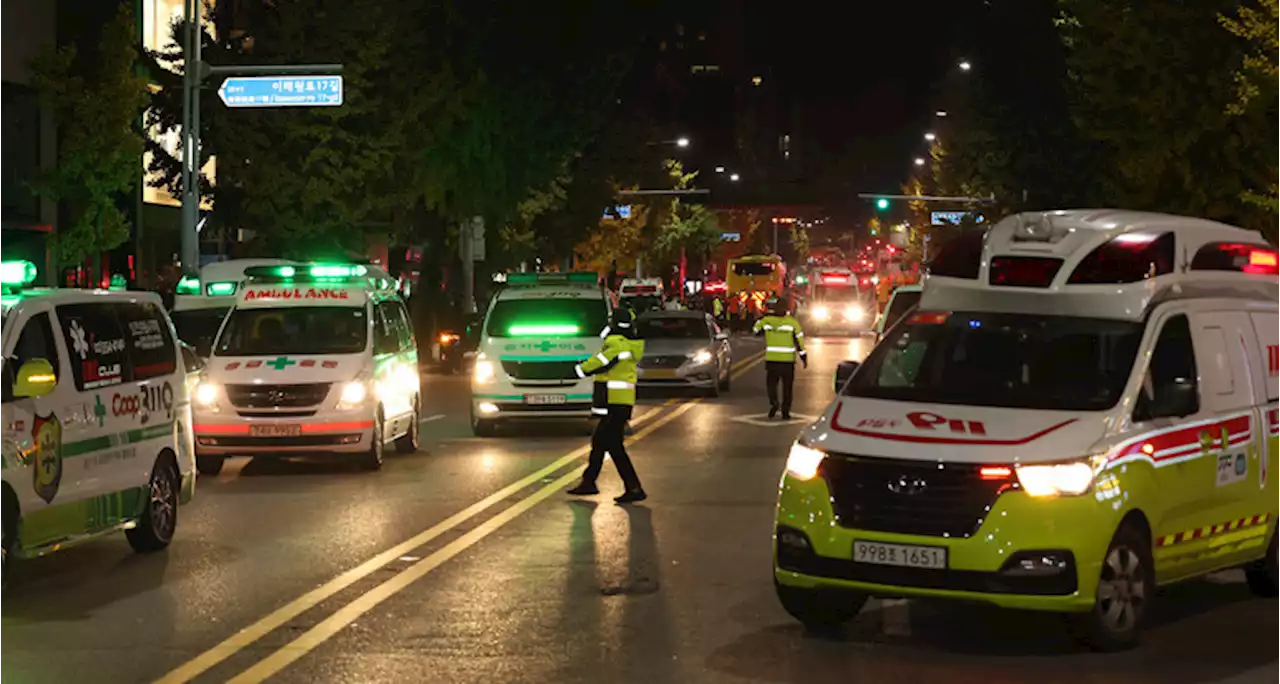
x,y
190,254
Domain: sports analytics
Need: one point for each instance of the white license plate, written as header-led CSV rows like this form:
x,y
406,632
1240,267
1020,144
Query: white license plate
x,y
904,555
543,399
282,430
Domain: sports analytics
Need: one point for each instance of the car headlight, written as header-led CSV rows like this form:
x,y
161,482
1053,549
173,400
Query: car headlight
x,y
353,394
854,313
701,357
821,313
206,393
484,372
1071,478
803,461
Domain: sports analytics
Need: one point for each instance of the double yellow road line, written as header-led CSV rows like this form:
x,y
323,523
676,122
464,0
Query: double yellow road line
x,y
367,601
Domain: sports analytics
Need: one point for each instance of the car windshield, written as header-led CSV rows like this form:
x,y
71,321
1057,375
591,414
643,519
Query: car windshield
x,y
547,318
198,327
1003,360
837,295
678,327
753,269
294,330
900,304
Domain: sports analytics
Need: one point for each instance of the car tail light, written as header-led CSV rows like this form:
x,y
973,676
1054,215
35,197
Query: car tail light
x,y
1011,271
1234,256
1126,258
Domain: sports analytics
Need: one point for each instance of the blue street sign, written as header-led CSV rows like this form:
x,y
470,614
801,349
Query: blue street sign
x,y
282,91
622,211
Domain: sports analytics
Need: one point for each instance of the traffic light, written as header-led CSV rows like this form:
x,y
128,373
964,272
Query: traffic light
x,y
882,204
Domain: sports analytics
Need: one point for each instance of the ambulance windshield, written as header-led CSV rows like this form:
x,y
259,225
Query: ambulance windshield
x,y
294,330
584,317
1002,360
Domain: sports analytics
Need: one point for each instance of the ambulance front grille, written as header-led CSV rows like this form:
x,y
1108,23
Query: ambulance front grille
x,y
540,370
277,396
908,497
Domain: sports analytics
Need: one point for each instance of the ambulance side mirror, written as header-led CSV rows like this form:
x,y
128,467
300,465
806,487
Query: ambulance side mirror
x,y
36,378
844,371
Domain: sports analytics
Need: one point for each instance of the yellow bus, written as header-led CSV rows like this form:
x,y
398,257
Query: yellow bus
x,y
756,273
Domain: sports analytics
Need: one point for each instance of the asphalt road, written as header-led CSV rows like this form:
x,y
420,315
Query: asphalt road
x,y
467,562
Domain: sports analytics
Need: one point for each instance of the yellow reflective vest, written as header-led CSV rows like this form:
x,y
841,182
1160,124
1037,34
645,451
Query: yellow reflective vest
x,y
717,307
615,371
783,338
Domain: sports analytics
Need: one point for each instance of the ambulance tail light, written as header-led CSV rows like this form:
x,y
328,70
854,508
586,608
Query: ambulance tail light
x,y
835,280
1126,258
1234,256
1011,271
960,258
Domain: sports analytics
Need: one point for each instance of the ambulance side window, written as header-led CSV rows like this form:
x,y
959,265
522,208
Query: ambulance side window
x,y
95,343
35,342
406,328
1170,388
386,336
150,346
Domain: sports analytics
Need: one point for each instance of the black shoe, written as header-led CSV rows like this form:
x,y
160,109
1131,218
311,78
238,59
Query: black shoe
x,y
631,496
786,415
584,489
773,411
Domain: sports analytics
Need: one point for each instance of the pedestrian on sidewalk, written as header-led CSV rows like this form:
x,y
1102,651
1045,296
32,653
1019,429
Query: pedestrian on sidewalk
x,y
783,343
613,398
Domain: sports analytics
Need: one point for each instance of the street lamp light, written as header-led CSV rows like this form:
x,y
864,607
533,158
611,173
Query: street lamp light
x,y
719,169
965,65
930,137
682,142
734,177
919,161
939,113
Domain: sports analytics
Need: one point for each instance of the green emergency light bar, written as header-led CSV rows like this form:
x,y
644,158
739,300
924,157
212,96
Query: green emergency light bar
x,y
543,330
576,278
316,271
188,285
16,274
220,289
118,283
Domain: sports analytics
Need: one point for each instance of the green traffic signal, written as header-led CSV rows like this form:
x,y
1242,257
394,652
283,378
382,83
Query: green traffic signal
x,y
882,204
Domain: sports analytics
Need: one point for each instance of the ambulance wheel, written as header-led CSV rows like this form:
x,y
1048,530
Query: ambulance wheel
x,y
10,520
821,611
372,459
1126,587
483,427
409,442
159,518
209,464
1262,574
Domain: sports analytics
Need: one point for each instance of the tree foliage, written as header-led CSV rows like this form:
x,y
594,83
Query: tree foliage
x,y
96,99
1256,78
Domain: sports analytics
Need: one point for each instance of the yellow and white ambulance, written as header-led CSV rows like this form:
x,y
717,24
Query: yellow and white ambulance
x,y
536,330
96,423
1082,408
313,358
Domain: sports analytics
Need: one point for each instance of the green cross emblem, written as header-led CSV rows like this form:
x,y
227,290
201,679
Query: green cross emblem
x,y
546,346
280,363
99,410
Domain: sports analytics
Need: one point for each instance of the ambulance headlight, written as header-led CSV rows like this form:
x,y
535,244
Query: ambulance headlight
x,y
206,394
484,372
701,358
353,394
803,461
821,313
1069,478
854,313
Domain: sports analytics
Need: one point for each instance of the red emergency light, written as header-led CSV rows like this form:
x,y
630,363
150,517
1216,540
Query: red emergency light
x,y
835,280
718,286
1233,256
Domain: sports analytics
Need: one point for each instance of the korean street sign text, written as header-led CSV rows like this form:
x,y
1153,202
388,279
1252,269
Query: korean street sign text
x,y
282,91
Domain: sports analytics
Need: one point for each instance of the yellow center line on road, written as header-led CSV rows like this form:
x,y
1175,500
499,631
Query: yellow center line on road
x,y
282,615
367,601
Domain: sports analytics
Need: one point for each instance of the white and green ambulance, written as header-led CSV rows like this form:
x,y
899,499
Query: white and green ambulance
x,y
536,330
313,358
97,426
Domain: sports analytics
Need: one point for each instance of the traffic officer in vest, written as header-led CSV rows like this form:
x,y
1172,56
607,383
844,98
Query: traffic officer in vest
x,y
717,309
613,398
783,342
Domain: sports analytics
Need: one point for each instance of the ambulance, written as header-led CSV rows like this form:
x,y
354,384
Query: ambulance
x,y
96,424
642,294
837,302
537,329
200,304
313,358
1083,408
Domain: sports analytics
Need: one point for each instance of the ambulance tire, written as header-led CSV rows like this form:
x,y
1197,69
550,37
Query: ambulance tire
x,y
1262,575
1115,622
10,520
159,518
409,441
372,459
482,427
821,611
209,464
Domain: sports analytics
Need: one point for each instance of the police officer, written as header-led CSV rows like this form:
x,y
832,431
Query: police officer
x,y
783,342
717,309
613,397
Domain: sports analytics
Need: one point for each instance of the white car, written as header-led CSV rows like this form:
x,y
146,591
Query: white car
x,y
97,426
312,359
536,330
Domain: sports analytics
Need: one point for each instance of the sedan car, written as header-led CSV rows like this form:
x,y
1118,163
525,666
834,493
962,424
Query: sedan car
x,y
684,349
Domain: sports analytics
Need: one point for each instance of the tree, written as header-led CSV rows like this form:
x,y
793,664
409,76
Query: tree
x,y
96,99
1256,81
682,227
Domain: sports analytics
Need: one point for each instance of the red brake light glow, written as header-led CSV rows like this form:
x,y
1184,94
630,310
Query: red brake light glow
x,y
1233,256
835,280
1023,271
995,472
1126,258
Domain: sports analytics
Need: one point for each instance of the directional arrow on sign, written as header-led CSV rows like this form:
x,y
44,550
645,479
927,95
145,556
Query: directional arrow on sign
x,y
281,91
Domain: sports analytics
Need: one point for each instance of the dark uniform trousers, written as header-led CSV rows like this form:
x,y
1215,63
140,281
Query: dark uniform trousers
x,y
608,438
779,372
